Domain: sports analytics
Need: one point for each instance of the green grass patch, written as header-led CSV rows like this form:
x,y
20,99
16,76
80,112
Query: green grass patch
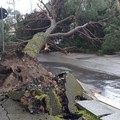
x,y
87,114
58,117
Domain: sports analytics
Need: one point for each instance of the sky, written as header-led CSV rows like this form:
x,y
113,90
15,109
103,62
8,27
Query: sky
x,y
24,6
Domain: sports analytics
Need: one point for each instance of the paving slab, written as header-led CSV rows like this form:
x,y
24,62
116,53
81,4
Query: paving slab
x,y
95,107
27,116
12,110
12,107
115,116
73,89
3,114
107,101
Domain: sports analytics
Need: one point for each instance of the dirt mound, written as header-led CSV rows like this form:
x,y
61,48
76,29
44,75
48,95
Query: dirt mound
x,y
22,78
22,71
25,80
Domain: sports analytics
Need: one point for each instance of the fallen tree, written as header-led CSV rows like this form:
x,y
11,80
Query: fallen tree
x,y
24,79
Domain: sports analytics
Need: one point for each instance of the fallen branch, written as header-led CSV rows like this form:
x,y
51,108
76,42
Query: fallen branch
x,y
71,32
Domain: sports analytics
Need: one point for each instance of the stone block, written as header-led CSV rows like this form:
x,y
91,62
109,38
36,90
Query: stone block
x,y
114,116
95,107
73,89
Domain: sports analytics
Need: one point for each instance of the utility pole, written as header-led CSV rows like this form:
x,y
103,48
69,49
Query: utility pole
x,y
2,31
12,2
14,9
31,5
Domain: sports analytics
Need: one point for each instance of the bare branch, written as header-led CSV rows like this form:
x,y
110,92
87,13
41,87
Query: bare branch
x,y
76,29
36,19
87,33
50,14
95,39
30,29
72,16
68,33
105,19
51,43
92,40
50,17
90,32
57,6
42,9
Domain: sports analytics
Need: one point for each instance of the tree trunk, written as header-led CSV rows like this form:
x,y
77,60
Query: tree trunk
x,y
35,44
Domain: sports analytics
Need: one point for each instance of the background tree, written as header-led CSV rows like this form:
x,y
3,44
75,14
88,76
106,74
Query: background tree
x,y
10,23
95,10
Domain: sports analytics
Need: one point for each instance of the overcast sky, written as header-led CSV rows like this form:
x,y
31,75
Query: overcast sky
x,y
24,6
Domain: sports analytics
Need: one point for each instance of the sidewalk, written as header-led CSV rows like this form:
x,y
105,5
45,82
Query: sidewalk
x,y
105,64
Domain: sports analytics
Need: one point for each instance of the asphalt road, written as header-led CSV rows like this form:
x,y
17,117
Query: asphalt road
x,y
105,82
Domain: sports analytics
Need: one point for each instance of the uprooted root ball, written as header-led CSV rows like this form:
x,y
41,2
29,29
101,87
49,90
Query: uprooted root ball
x,y
24,79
